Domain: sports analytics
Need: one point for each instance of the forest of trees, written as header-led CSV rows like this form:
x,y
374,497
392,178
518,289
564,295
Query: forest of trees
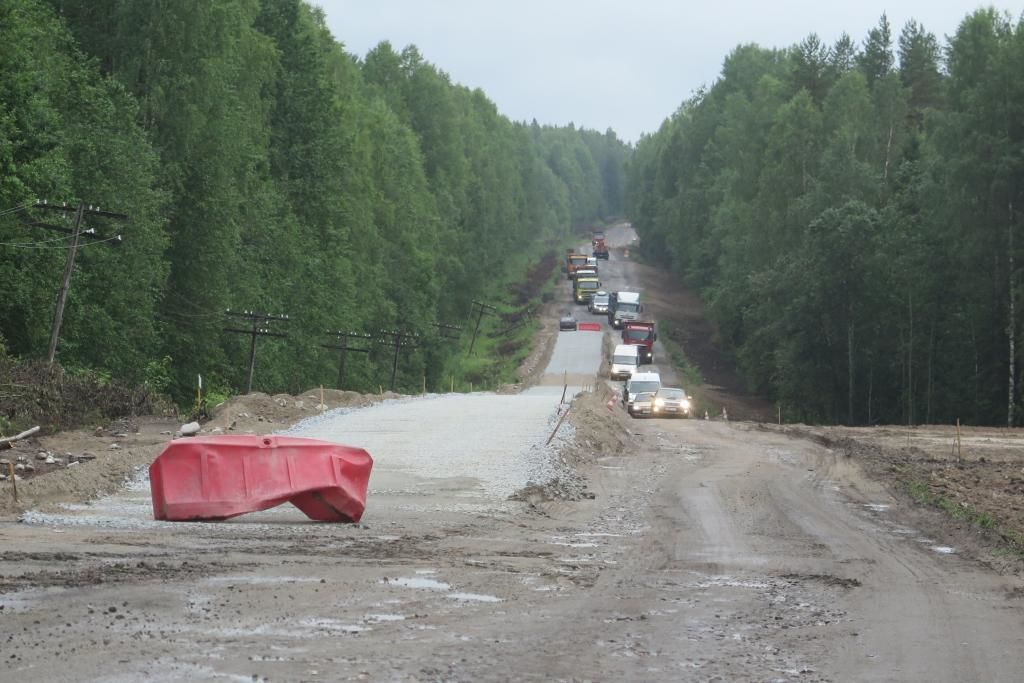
x,y
852,216
262,168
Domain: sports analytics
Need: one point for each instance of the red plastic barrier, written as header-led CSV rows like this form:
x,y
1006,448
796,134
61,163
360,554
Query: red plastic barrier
x,y
590,327
217,477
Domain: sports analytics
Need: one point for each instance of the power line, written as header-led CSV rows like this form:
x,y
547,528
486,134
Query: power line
x,y
15,209
399,340
76,231
342,344
30,245
479,317
256,331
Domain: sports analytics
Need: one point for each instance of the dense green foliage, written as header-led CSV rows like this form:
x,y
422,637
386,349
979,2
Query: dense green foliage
x,y
263,168
853,218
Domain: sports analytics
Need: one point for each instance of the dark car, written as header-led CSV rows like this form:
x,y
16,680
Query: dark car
x,y
670,402
567,322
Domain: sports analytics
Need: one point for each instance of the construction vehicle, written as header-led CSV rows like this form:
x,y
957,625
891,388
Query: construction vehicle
x,y
600,248
585,288
642,335
624,307
573,262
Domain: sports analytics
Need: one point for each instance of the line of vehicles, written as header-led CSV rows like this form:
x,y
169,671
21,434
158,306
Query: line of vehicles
x,y
643,393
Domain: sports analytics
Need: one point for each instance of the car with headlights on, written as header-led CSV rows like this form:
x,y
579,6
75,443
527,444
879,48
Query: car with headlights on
x,y
643,404
670,402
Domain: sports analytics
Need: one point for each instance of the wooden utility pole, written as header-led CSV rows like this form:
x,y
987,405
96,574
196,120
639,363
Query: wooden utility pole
x,y
448,332
255,319
480,314
399,340
342,345
69,264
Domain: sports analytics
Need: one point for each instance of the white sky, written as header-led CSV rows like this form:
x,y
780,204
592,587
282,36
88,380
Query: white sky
x,y
625,65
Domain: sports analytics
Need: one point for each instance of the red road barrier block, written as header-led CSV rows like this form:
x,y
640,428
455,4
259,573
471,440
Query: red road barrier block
x,y
217,477
589,327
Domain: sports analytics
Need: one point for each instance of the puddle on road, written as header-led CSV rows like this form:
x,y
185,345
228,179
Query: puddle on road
x,y
729,582
381,618
876,507
417,582
473,597
574,545
597,535
942,549
253,579
333,625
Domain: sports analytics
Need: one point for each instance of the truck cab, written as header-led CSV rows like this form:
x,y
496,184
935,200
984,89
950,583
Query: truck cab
x,y
585,288
574,262
625,308
641,334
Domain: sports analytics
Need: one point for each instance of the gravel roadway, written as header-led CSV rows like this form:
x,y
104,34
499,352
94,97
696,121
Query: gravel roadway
x,y
708,551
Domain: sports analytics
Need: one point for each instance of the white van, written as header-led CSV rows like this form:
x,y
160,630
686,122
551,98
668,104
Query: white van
x,y
640,382
625,361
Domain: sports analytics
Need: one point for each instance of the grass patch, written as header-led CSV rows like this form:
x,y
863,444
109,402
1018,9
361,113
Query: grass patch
x,y
692,380
922,493
507,333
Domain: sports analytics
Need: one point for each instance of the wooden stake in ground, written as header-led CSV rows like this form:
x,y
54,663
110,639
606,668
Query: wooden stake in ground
x,y
959,455
14,480
560,421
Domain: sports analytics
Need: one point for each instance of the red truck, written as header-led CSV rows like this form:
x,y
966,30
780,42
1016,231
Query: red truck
x,y
641,334
599,245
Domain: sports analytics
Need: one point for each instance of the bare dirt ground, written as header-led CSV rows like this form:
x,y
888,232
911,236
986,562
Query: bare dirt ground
x,y
697,550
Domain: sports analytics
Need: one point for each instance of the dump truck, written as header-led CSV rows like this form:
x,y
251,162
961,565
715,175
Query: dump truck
x,y
641,334
600,248
585,288
573,262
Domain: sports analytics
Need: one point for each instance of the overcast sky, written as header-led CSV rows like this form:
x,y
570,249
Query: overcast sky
x,y
625,65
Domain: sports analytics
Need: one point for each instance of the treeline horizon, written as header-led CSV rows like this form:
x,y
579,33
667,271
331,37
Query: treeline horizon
x,y
264,168
851,214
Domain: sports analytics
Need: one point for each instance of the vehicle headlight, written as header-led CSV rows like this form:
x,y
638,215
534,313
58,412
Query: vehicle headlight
x,y
659,402
686,403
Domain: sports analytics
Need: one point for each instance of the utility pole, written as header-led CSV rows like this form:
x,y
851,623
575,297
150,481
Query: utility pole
x,y
69,264
479,317
255,319
448,332
525,317
399,340
342,345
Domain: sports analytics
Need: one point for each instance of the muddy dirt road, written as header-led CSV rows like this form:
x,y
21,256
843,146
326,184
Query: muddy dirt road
x,y
644,550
